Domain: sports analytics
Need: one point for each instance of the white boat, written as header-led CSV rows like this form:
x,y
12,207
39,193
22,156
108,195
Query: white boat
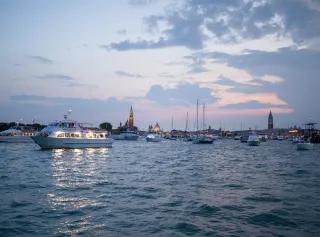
x,y
253,140
280,138
203,140
153,137
304,145
263,137
70,134
237,137
17,135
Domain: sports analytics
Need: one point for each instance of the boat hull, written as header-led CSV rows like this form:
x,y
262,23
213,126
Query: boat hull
x,y
15,139
200,141
253,143
148,139
304,146
131,138
73,143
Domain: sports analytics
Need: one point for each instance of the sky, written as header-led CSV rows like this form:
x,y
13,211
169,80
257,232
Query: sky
x,y
242,58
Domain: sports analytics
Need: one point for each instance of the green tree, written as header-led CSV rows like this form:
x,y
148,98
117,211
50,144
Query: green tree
x,y
106,126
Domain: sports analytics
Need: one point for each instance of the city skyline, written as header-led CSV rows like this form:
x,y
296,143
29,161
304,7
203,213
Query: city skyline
x,y
242,58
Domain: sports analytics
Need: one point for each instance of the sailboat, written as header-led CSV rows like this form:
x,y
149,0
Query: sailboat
x,y
187,138
171,137
203,138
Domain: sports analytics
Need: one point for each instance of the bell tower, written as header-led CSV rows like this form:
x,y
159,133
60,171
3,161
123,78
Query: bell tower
x,y
270,121
131,119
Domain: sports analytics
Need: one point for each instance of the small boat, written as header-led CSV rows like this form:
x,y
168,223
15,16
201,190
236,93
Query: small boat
x,y
203,140
187,139
173,138
153,137
304,145
280,138
253,140
244,138
263,137
236,137
70,134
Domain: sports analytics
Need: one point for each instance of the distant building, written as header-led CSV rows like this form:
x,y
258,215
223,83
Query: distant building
x,y
129,125
154,129
270,121
131,121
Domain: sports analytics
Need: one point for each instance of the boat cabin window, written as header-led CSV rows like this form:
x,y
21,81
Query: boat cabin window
x,y
60,135
89,135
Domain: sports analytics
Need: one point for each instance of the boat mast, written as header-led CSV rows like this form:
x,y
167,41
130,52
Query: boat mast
x,y
197,113
203,114
187,123
172,124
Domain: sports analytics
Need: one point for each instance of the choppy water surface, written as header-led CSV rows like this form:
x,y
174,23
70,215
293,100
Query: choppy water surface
x,y
172,188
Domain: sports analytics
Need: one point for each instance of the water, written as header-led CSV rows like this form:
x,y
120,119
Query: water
x,y
172,188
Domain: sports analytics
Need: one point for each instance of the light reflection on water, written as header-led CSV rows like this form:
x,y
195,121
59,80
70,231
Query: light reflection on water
x,y
77,170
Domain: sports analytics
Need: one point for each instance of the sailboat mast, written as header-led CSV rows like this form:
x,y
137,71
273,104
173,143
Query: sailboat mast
x,y
172,124
197,113
187,123
203,119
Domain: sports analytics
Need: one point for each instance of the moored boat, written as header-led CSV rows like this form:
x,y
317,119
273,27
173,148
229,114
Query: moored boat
x,y
70,134
203,140
153,137
253,140
304,145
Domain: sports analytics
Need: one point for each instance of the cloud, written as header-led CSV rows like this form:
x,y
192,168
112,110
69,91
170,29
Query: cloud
x,y
197,65
122,32
18,65
76,84
141,2
252,105
40,59
183,94
294,74
56,77
194,22
166,75
127,74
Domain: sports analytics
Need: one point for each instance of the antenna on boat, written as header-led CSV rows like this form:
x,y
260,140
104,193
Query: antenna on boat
x,y
68,113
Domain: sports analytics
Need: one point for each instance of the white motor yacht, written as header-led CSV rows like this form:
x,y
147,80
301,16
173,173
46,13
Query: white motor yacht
x,y
253,140
153,137
69,134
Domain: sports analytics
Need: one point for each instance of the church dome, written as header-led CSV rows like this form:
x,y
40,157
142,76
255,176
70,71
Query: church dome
x,y
156,128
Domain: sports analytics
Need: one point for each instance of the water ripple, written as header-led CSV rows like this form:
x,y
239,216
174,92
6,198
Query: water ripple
x,y
172,188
